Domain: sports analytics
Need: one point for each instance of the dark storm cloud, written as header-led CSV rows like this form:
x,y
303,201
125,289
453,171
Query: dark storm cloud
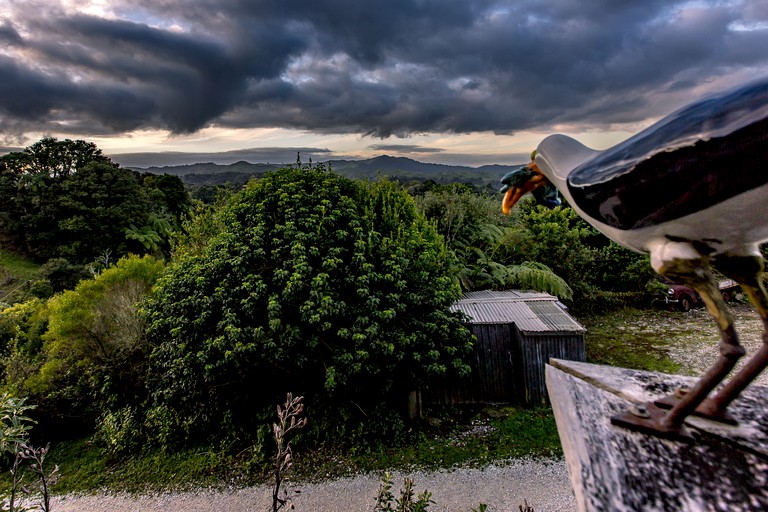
x,y
404,148
382,68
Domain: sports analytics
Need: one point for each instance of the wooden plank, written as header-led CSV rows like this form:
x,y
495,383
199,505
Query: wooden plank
x,y
614,469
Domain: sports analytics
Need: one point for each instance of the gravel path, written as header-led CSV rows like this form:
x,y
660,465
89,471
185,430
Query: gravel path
x,y
543,484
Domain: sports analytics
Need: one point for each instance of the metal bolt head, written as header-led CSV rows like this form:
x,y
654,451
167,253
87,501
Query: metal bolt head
x,y
641,411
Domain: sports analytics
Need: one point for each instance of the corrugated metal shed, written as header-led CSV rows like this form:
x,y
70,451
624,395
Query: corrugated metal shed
x,y
530,311
517,333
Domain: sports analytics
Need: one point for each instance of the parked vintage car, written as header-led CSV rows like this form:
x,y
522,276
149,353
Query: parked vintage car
x,y
684,297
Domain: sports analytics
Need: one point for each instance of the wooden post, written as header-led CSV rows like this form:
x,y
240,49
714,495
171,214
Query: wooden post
x,y
414,405
614,469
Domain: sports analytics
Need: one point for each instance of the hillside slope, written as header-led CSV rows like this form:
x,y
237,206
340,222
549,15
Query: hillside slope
x,y
400,169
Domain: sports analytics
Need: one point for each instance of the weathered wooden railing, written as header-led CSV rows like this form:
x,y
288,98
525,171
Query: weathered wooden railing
x,y
613,469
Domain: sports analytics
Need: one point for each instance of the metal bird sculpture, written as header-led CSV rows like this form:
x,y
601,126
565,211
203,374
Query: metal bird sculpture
x,y
692,192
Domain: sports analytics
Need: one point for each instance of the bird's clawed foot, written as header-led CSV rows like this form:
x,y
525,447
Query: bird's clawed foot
x,y
650,419
714,408
669,424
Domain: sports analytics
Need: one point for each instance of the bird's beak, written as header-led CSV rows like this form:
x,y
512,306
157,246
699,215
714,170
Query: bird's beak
x,y
518,183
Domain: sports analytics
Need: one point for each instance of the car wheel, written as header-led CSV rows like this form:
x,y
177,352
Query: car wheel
x,y
685,303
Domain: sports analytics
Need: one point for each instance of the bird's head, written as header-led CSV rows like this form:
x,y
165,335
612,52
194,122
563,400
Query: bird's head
x,y
519,182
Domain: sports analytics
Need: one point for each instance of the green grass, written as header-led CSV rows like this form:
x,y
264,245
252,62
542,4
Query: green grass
x,y
15,274
460,438
85,468
632,338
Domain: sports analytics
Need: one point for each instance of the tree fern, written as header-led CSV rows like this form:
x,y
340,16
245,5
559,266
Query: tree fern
x,y
476,266
537,276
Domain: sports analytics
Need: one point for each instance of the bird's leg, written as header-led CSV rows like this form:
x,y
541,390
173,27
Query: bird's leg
x,y
745,270
696,273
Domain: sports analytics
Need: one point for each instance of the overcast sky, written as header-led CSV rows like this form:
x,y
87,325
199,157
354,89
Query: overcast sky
x,y
454,81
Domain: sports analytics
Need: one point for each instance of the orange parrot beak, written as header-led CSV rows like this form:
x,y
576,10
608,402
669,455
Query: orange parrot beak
x,y
518,183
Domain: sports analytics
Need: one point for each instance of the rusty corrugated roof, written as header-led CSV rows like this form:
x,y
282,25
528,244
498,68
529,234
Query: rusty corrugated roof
x,y
530,311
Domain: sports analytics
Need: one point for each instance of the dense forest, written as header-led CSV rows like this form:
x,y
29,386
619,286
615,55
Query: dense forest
x,y
157,319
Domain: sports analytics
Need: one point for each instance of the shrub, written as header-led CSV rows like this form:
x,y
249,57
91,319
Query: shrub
x,y
118,432
42,289
63,275
337,289
94,353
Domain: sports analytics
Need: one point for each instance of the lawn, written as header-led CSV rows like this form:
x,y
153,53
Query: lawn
x,y
16,273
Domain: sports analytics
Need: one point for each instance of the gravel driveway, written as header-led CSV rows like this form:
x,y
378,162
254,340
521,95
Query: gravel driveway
x,y
543,484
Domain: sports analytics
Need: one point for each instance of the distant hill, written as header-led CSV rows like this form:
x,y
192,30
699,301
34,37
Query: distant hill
x,y
404,170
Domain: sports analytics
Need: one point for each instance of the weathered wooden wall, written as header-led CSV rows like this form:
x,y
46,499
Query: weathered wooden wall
x,y
532,354
613,469
508,367
492,379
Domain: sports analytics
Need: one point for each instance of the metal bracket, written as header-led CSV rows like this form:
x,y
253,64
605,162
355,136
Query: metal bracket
x,y
647,419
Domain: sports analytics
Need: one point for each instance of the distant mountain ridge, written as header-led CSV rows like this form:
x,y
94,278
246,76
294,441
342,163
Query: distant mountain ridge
x,y
398,168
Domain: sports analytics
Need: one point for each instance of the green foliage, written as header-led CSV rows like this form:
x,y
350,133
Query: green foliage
x,y
482,239
147,236
531,275
21,339
166,194
405,502
558,238
94,353
408,502
41,289
591,264
552,251
63,275
64,199
203,223
53,158
97,203
338,289
119,432
460,213
14,423
14,432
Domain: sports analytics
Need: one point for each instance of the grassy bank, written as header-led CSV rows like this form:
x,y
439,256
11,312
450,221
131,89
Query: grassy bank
x,y
16,273
454,438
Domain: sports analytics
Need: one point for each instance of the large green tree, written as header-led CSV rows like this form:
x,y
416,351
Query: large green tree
x,y
317,284
31,188
97,205
64,198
